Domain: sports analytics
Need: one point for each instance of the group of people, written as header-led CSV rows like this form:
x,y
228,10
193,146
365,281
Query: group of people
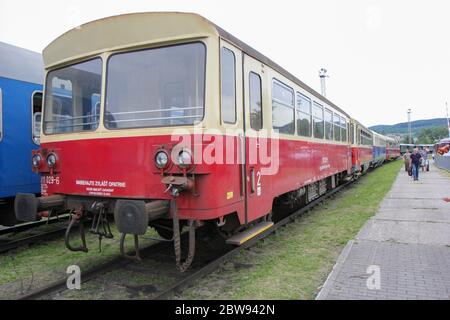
x,y
415,160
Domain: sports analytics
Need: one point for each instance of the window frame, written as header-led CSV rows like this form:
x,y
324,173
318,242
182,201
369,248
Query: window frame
x,y
44,108
105,94
299,97
326,110
33,115
338,125
224,48
250,99
280,83
343,123
315,104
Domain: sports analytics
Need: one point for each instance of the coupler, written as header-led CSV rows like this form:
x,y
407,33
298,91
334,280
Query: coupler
x,y
27,206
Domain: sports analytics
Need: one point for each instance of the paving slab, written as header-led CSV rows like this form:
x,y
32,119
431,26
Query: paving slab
x,y
403,252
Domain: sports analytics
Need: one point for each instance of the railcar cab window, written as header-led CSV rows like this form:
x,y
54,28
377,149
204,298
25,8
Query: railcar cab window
x,y
156,87
318,121
328,124
68,98
337,127
304,121
228,85
283,109
37,115
256,120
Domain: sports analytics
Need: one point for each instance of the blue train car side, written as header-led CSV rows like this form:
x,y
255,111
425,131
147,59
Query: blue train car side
x,y
379,149
21,78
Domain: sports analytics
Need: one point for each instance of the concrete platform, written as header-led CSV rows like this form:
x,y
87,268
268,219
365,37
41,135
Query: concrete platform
x,y
407,242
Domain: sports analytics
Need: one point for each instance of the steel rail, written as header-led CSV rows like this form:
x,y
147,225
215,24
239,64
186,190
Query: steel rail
x,y
30,225
16,243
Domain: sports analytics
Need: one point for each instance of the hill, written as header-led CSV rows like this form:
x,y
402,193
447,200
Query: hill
x,y
416,126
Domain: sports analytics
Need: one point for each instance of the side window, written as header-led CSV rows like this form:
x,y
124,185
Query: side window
x,y
328,124
256,119
283,110
352,133
228,84
337,127
304,121
318,121
1,114
343,129
37,116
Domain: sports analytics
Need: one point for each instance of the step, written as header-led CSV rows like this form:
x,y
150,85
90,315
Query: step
x,y
248,234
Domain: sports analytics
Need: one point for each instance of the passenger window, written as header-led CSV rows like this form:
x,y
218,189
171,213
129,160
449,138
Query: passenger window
x,y
318,121
256,118
228,80
303,115
337,127
283,110
37,116
328,124
1,114
343,129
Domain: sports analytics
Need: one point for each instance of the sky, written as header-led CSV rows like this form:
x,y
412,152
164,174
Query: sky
x,y
382,57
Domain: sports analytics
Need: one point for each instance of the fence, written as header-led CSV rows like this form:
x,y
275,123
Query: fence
x,y
442,162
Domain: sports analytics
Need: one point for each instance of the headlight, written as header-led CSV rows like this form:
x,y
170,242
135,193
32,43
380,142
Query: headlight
x,y
184,159
36,160
161,160
51,160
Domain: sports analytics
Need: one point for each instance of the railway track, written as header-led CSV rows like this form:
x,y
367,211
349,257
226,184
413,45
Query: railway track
x,y
30,225
182,280
11,237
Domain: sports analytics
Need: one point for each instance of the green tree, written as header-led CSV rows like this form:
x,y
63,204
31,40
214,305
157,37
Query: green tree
x,y
431,135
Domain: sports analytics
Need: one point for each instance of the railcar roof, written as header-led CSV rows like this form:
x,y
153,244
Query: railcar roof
x,y
137,29
21,64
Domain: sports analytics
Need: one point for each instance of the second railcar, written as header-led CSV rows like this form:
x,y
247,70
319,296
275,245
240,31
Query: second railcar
x,y
21,78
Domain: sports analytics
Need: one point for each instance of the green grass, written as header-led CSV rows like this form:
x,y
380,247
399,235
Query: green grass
x,y
294,263
31,267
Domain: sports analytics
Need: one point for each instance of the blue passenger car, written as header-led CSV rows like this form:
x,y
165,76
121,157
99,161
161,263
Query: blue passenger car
x,y
379,149
21,78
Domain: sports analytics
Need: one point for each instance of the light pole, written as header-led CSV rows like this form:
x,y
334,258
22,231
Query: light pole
x,y
323,75
409,126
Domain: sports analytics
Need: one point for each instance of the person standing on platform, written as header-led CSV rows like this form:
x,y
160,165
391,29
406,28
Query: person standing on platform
x,y
406,159
415,163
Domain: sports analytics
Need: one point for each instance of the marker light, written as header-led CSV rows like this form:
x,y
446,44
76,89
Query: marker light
x,y
161,160
36,160
51,160
184,159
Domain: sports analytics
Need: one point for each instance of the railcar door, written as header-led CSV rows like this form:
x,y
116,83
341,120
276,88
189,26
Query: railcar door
x,y
260,159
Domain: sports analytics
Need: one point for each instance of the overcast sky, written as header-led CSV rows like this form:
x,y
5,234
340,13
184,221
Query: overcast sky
x,y
383,57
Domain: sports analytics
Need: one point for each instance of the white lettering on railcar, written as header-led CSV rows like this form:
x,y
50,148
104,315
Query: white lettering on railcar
x,y
100,188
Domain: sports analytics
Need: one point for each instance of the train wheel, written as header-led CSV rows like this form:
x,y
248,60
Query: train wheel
x,y
164,228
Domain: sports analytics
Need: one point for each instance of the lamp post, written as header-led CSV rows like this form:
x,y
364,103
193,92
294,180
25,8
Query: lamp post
x,y
323,75
409,126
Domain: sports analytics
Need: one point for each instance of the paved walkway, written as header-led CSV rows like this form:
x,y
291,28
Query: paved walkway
x,y
403,252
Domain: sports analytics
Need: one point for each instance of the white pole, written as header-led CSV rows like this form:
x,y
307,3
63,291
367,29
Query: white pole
x,y
448,119
323,75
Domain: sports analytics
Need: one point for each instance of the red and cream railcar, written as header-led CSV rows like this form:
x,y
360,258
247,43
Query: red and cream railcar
x,y
392,149
165,119
361,146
